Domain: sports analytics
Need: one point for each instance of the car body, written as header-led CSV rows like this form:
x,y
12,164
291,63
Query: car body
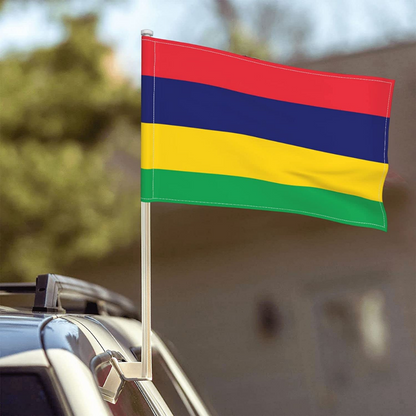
x,y
59,363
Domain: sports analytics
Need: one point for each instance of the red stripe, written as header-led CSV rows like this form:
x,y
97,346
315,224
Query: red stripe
x,y
186,62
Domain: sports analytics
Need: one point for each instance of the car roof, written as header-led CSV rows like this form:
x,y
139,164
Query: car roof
x,y
20,332
47,337
47,323
26,331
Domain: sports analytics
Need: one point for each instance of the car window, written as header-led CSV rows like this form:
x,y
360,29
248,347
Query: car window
x,y
129,401
169,388
23,393
167,385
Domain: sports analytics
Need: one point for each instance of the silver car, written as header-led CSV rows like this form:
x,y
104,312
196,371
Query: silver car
x,y
59,357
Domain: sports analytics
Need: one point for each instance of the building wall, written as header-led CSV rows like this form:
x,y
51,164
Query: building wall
x,y
280,314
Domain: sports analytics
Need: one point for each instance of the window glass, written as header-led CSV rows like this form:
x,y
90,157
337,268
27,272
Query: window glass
x,y
169,388
129,400
25,393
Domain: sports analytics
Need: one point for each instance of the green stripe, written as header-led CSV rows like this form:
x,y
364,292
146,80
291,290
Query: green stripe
x,y
236,192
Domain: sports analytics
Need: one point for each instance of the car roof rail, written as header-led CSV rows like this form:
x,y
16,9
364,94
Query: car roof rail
x,y
50,287
17,288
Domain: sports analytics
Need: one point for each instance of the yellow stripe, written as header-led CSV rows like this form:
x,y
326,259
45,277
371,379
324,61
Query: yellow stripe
x,y
208,151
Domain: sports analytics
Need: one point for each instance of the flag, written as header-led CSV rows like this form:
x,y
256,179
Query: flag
x,y
226,130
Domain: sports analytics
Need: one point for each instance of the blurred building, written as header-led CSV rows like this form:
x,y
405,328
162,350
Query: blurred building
x,y
280,314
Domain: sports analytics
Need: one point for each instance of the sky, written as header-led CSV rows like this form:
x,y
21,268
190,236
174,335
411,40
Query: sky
x,y
349,26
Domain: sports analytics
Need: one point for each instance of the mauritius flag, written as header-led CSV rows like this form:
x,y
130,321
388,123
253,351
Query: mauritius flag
x,y
226,130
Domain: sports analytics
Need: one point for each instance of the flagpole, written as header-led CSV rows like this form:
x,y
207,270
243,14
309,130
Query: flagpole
x,y
146,292
146,281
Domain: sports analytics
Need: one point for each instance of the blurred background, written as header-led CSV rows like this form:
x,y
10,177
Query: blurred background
x,y
273,314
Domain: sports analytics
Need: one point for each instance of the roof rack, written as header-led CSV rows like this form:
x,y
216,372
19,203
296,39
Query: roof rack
x,y
49,288
17,288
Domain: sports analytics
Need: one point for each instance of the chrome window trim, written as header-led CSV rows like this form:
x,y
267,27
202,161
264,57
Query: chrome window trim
x,y
181,378
153,398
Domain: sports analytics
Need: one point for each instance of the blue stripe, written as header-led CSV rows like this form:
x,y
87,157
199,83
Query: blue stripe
x,y
189,104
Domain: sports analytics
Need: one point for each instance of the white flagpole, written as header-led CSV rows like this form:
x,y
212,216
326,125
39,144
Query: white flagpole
x,y
146,292
133,371
146,280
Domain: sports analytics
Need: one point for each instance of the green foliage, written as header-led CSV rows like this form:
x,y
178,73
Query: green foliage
x,y
241,42
59,199
58,203
66,92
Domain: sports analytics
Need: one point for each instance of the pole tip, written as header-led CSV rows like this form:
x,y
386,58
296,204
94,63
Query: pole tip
x,y
147,32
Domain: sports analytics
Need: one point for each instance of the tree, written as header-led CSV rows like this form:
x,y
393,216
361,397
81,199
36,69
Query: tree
x,y
59,199
58,204
65,92
253,31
